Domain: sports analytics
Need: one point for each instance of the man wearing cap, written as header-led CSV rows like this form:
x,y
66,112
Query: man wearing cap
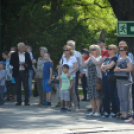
x,y
2,81
85,52
104,52
21,62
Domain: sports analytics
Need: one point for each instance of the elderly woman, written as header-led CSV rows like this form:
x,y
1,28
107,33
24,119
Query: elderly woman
x,y
39,75
71,61
124,64
109,82
93,65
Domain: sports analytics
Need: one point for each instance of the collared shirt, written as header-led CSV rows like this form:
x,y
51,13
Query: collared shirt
x,y
22,59
40,67
70,63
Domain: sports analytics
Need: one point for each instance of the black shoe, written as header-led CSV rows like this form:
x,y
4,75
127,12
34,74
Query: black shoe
x,y
27,104
84,99
18,104
49,103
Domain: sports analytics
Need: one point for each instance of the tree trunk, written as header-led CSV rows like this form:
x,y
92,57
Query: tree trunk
x,y
124,11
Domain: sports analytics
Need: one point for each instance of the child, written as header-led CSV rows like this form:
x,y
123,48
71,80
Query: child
x,y
47,75
2,81
66,85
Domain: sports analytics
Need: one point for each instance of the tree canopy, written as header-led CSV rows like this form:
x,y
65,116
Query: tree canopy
x,y
51,23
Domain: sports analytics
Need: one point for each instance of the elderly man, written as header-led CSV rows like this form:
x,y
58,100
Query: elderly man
x,y
79,61
21,61
39,75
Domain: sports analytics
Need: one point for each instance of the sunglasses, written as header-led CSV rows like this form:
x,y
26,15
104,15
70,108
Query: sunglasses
x,y
121,50
93,49
110,49
66,50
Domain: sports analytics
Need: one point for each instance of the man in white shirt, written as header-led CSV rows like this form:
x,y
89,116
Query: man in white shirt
x,y
79,61
21,62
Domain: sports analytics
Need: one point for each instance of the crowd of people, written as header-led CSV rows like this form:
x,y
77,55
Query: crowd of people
x,y
106,77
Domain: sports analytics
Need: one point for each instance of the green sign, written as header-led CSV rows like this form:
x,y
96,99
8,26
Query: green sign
x,y
125,28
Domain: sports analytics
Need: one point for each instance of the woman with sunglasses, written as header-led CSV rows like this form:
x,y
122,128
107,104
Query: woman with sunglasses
x,y
71,61
93,64
109,82
124,64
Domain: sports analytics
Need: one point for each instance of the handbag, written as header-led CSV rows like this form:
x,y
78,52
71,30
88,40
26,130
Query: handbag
x,y
121,75
98,84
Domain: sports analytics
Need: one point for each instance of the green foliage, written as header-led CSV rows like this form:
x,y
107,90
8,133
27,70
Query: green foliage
x,y
51,23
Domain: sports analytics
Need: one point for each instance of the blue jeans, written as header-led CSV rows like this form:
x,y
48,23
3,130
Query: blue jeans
x,y
30,73
109,89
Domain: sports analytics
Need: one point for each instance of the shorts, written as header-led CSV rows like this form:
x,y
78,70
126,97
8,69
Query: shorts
x,y
65,95
58,92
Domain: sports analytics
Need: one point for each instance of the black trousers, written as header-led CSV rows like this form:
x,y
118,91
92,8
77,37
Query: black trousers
x,y
22,78
84,86
76,86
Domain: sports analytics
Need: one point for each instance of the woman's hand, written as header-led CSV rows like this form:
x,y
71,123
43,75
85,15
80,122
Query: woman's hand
x,y
117,69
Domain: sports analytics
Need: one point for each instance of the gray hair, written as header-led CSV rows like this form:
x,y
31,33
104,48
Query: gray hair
x,y
44,48
71,42
20,44
97,48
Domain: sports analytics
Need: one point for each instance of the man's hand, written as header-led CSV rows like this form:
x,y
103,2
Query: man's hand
x,y
21,63
83,56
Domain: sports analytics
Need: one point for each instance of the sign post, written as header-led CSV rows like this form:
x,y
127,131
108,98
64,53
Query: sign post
x,y
125,29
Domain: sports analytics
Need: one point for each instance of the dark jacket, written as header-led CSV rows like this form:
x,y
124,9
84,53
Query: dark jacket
x,y
14,61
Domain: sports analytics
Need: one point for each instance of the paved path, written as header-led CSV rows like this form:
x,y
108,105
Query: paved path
x,y
36,119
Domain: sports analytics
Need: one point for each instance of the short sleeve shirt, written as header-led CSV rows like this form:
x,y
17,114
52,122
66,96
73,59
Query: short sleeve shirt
x,y
104,53
65,84
122,63
46,72
3,74
70,63
130,55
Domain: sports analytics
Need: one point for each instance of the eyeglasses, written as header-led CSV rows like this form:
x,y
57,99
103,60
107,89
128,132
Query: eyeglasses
x,y
93,49
110,49
121,50
66,50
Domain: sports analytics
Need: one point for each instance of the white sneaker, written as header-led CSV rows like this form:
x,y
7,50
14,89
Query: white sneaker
x,y
96,115
90,114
